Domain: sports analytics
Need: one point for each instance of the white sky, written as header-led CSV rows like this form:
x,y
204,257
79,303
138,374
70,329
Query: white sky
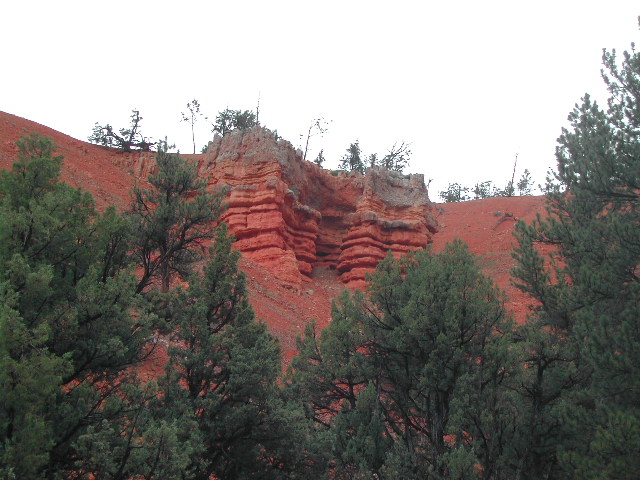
x,y
469,84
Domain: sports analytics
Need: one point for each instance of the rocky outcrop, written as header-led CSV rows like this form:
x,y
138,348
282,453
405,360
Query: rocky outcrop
x,y
290,215
392,214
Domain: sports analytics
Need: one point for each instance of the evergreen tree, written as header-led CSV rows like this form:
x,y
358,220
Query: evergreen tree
x,y
222,374
128,140
230,120
352,160
441,344
588,290
173,219
70,318
360,444
433,342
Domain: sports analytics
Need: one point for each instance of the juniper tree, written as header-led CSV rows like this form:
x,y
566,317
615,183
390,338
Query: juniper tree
x,y
68,315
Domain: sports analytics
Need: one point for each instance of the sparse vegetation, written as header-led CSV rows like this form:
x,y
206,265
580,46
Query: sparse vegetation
x,y
194,115
318,126
352,161
458,193
127,140
230,120
319,160
396,158
454,193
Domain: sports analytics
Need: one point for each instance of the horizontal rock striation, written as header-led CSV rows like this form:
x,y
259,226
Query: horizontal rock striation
x,y
291,216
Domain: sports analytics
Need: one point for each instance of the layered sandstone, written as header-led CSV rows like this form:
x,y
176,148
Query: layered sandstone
x,y
290,215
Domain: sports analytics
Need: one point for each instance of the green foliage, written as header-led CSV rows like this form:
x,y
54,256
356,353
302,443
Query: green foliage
x,y
128,139
525,183
172,219
229,120
30,377
588,290
319,160
360,444
480,191
397,158
454,193
228,364
459,193
352,160
424,364
75,325
73,331
70,321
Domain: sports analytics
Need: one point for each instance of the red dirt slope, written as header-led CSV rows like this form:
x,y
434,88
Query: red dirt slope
x,y
87,166
487,227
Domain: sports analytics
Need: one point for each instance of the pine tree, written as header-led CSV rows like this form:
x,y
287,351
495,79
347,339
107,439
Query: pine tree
x,y
173,220
588,290
440,341
222,374
352,160
433,342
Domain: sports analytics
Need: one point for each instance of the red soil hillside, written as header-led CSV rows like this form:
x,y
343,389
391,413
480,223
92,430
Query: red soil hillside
x,y
487,227
304,233
87,166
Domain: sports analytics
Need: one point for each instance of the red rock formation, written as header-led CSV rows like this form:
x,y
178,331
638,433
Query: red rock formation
x,y
290,215
287,214
392,214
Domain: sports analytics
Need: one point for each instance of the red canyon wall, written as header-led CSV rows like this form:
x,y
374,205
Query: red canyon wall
x,y
290,215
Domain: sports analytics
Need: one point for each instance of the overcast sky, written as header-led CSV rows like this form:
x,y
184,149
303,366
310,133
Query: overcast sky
x,y
469,84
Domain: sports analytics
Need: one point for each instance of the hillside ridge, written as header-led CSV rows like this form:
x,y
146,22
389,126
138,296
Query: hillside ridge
x,y
304,233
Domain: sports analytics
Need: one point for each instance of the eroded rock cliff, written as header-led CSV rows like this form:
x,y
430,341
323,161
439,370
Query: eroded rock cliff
x,y
290,215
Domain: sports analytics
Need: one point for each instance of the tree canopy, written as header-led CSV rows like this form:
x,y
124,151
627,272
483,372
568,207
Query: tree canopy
x,y
229,120
424,359
173,218
588,290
